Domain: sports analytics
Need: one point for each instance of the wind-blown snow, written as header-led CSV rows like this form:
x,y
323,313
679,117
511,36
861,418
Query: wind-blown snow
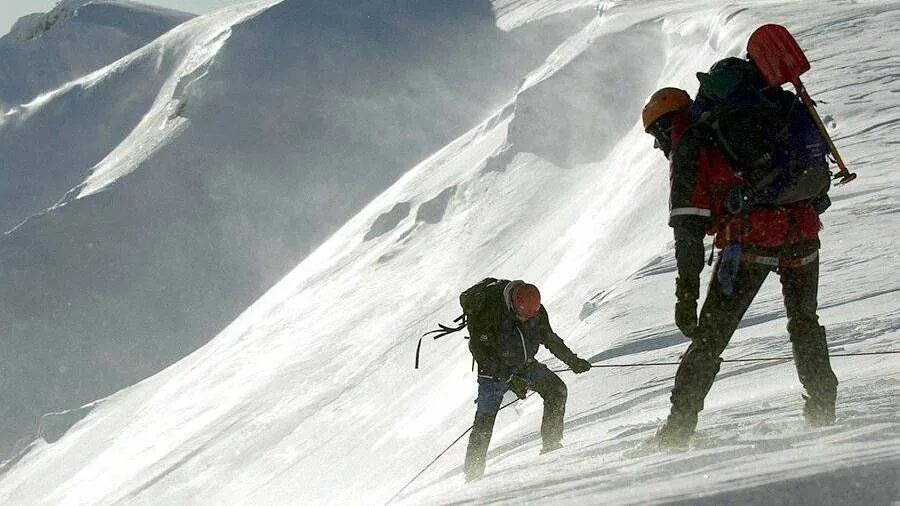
x,y
309,397
152,200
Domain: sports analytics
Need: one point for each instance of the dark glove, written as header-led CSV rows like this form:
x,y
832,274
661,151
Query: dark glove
x,y
686,317
579,365
518,385
687,291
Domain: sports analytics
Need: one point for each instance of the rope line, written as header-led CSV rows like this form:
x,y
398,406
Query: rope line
x,y
410,482
635,364
739,360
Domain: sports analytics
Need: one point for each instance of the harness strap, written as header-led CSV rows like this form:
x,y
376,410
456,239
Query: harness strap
x,y
781,263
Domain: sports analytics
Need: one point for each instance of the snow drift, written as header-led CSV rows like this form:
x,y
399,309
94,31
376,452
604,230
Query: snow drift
x,y
309,395
154,199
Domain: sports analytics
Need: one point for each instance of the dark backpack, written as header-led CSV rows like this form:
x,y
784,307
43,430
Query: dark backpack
x,y
482,305
767,136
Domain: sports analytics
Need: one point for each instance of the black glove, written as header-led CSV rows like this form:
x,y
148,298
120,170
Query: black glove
x,y
687,291
686,317
579,365
518,385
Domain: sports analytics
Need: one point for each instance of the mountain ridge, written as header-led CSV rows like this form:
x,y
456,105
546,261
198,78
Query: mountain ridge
x,y
309,395
211,173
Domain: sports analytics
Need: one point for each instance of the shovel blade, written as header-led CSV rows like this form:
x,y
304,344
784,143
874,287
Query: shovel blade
x,y
777,55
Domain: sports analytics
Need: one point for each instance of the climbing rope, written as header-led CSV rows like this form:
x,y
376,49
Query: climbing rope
x,y
739,360
410,482
634,364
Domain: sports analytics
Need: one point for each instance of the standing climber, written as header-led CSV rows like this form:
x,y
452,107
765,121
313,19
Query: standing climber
x,y
758,229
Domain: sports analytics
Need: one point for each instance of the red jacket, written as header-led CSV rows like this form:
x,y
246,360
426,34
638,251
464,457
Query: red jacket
x,y
700,181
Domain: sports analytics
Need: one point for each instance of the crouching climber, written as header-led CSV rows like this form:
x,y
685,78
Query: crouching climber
x,y
507,325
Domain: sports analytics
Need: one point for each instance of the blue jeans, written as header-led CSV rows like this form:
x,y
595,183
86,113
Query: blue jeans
x,y
490,396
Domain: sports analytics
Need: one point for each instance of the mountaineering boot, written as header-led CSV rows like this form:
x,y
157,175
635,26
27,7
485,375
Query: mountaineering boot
x,y
474,475
475,464
677,431
476,452
814,369
818,413
550,447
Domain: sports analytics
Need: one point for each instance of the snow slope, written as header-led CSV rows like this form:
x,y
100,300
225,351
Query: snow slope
x,y
45,50
309,397
151,201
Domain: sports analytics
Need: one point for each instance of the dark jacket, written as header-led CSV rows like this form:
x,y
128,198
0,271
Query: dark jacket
x,y
700,181
515,344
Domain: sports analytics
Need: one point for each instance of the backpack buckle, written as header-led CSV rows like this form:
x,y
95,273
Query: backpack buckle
x,y
736,200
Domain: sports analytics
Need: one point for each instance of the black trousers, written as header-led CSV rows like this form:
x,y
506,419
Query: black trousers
x,y
490,396
719,318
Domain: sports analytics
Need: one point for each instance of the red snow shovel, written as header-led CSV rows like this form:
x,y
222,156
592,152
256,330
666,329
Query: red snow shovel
x,y
781,61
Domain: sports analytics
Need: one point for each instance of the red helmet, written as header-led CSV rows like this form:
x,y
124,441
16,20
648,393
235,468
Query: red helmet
x,y
524,299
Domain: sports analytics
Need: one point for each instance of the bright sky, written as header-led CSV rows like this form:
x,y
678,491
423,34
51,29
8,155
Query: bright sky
x,y
11,10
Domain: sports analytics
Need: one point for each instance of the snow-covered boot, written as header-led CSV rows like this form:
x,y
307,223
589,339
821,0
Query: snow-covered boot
x,y
818,413
549,447
677,431
814,369
476,452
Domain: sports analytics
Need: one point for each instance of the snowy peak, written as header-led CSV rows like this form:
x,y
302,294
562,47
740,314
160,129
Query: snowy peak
x,y
113,13
43,51
36,25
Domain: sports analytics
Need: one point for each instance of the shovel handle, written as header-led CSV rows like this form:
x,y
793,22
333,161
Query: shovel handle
x,y
843,173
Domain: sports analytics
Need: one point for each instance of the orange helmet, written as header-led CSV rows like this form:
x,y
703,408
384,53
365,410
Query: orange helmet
x,y
664,101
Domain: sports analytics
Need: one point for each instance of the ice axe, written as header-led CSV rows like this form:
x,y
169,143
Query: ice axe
x,y
780,60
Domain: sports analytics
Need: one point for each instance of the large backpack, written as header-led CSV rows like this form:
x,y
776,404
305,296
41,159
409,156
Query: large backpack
x,y
767,136
482,305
